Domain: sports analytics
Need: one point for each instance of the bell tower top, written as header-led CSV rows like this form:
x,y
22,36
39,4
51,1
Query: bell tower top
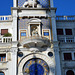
x,y
33,3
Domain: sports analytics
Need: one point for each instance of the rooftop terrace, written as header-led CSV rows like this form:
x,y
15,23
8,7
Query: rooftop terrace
x,y
65,18
58,18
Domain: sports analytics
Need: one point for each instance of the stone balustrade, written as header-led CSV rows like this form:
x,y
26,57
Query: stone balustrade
x,y
6,18
65,18
67,39
6,39
9,18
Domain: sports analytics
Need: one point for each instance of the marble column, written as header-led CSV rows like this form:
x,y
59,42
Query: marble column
x,y
14,61
14,25
39,30
53,21
14,43
57,60
55,43
29,30
14,3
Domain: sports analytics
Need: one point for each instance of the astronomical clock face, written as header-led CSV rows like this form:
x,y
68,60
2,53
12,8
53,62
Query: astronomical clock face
x,y
35,67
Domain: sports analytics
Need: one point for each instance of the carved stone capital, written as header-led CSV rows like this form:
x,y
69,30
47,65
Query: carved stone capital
x,y
56,51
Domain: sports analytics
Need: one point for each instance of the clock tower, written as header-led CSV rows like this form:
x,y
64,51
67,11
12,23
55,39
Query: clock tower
x,y
35,46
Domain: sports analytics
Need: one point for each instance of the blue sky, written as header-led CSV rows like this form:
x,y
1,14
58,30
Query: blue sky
x,y
64,7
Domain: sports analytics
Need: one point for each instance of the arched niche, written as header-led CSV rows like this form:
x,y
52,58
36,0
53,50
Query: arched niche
x,y
69,72
34,27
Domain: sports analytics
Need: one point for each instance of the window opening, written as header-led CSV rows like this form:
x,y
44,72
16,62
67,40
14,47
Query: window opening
x,y
67,56
2,57
68,31
59,31
69,72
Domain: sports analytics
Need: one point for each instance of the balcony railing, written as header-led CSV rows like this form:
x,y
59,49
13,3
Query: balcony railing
x,y
65,17
6,18
34,38
6,39
67,39
70,63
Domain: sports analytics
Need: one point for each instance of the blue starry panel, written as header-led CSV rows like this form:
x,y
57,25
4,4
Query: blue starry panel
x,y
44,3
46,33
22,23
23,33
45,23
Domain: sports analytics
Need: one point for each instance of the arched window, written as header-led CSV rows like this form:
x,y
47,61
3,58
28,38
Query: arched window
x,y
2,73
69,72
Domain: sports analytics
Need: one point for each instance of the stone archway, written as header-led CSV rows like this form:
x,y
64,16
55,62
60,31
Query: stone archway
x,y
31,56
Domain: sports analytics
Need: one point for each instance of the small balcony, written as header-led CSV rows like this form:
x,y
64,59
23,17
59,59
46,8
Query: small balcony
x,y
38,41
66,39
5,39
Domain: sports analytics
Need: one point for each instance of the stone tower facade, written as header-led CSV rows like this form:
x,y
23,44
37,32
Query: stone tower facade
x,y
34,28
34,41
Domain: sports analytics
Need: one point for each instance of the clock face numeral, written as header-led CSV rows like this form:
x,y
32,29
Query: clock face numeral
x,y
36,67
39,61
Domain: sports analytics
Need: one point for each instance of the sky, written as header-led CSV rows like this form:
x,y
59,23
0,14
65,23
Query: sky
x,y
64,7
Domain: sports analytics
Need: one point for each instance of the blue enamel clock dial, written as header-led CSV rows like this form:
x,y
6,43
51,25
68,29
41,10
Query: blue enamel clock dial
x,y
35,67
